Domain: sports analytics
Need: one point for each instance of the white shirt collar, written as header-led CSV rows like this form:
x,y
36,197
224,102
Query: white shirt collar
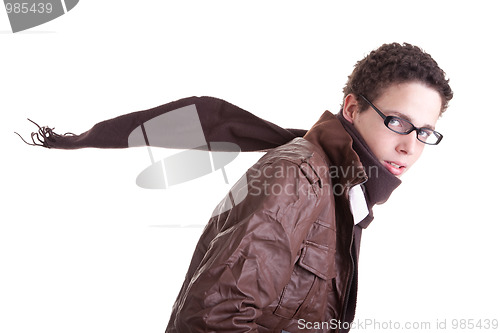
x,y
357,200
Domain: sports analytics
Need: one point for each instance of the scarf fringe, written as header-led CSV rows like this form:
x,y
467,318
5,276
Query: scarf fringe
x,y
44,137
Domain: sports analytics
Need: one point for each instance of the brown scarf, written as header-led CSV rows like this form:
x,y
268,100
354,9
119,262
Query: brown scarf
x,y
221,122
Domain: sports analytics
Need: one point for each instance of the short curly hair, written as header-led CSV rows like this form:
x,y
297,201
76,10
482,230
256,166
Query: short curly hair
x,y
392,64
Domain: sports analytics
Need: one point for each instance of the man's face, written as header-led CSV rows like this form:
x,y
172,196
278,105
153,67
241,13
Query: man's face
x,y
414,102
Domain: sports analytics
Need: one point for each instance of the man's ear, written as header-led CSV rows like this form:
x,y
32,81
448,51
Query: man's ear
x,y
351,107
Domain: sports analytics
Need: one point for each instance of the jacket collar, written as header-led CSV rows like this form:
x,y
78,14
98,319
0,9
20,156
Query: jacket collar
x,y
346,168
351,160
381,182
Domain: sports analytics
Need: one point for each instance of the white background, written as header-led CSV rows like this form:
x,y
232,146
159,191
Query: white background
x,y
83,249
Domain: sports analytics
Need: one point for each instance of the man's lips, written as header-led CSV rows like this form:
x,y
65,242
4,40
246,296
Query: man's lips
x,y
396,168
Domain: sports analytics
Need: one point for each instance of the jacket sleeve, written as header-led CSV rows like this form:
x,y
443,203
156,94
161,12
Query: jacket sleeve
x,y
250,260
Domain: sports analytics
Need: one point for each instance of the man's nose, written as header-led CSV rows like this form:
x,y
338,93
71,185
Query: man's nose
x,y
407,144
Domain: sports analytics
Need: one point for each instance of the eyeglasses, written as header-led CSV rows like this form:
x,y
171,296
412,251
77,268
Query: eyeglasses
x,y
404,127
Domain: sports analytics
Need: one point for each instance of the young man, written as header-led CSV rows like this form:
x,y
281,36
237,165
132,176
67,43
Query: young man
x,y
284,258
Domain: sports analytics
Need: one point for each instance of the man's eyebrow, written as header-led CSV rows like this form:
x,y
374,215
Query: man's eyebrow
x,y
407,118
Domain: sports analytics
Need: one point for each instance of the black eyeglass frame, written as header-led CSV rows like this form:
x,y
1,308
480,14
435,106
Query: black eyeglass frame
x,y
387,119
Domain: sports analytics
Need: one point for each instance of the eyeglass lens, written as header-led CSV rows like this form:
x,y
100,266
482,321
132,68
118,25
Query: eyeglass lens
x,y
402,126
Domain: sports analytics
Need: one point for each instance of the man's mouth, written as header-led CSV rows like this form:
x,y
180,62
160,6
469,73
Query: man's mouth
x,y
395,168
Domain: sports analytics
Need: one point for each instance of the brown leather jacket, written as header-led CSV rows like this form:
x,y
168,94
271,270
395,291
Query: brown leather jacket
x,y
280,259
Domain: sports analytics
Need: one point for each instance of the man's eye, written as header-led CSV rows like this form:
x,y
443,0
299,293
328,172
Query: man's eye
x,y
394,122
424,133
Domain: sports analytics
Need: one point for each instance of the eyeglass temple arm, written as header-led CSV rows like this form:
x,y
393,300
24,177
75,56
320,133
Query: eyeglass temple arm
x,y
374,107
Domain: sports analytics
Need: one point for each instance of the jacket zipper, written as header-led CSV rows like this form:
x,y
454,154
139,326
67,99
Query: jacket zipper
x,y
351,274
348,291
